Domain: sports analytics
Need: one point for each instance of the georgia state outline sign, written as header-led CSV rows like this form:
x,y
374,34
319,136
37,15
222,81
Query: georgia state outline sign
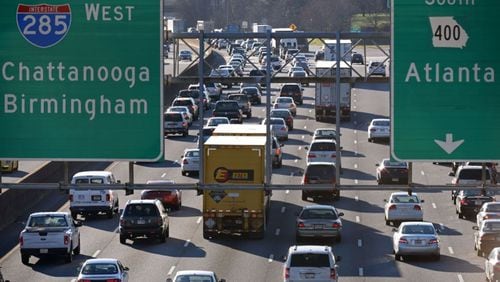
x,y
43,25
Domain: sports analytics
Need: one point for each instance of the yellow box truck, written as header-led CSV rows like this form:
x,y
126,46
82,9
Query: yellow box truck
x,y
235,160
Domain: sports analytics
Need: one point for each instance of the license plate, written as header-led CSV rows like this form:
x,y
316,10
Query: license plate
x,y
309,275
417,242
238,221
44,251
478,203
318,226
96,197
141,221
395,179
81,197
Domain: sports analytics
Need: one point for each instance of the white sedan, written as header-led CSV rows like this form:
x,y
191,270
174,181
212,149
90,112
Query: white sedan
x,y
403,206
195,276
376,68
278,128
190,161
489,210
285,103
415,238
103,269
379,128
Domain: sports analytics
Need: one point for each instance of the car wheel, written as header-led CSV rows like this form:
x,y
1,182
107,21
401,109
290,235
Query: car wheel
x,y
76,251
280,164
74,215
437,257
479,253
397,257
178,206
109,213
338,239
183,173
249,115
387,222
163,237
123,239
185,133
167,233
25,259
370,140
304,197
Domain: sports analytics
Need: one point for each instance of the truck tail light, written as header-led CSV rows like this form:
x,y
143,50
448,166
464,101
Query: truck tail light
x,y
306,179
287,273
184,124
311,156
333,273
334,155
433,241
21,240
66,239
278,151
108,197
392,207
403,241
336,225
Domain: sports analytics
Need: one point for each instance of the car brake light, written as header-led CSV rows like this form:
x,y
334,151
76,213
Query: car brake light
x,y
185,161
417,207
21,240
66,239
287,273
336,225
464,202
392,207
496,267
278,151
373,129
283,129
184,124
486,217
334,155
301,224
108,197
311,156
433,241
123,222
71,198
333,273
113,280
403,241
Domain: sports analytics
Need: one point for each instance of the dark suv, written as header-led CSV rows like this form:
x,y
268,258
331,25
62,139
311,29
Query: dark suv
x,y
243,102
229,109
292,90
144,218
320,173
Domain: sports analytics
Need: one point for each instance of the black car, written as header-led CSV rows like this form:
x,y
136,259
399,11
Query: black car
x,y
229,109
469,201
292,90
357,59
243,102
260,73
253,94
144,218
392,172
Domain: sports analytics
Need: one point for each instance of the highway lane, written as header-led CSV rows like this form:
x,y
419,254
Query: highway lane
x,y
366,245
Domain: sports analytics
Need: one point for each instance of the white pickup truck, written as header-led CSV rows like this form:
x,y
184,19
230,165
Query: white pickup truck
x,y
50,233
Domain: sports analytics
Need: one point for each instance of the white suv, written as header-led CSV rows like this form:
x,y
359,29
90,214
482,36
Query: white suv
x,y
92,201
311,263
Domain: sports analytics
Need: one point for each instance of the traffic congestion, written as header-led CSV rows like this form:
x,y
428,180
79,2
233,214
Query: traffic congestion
x,y
308,235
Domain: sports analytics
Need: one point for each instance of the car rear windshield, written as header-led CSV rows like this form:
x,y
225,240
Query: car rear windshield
x,y
194,278
48,221
243,98
491,226
318,214
493,208
473,174
277,121
290,88
182,103
319,146
394,164
195,154
310,260
96,180
324,172
189,93
476,192
418,229
280,114
226,107
381,123
405,199
257,73
173,117
141,210
100,268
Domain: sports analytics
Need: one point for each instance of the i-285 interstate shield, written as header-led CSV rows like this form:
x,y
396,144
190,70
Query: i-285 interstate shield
x,y
445,93
81,80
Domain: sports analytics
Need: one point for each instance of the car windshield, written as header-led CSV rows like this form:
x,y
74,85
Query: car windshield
x,y
418,229
141,210
290,88
193,154
326,133
310,260
189,93
493,208
48,221
324,172
241,98
473,174
178,109
318,214
491,226
395,164
477,192
100,268
94,180
183,103
405,199
381,123
280,114
284,100
217,121
226,107
323,146
173,117
194,278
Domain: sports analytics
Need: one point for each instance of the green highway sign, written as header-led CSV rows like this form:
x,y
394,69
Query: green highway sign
x,y
445,99
81,80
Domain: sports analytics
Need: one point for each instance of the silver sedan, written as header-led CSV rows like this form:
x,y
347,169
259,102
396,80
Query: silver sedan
x,y
105,269
278,128
319,221
416,238
402,206
190,162
489,210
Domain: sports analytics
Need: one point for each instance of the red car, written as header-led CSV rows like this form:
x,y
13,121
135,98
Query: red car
x,y
170,198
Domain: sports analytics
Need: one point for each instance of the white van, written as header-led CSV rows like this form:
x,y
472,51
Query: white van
x,y
90,201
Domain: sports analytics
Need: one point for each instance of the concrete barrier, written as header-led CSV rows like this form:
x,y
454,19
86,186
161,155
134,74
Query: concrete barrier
x,y
16,205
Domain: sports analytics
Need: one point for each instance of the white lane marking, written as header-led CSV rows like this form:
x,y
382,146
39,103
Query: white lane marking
x,y
356,198
355,101
355,141
271,257
171,270
354,107
187,243
116,229
355,165
287,191
303,137
434,205
305,126
163,175
310,111
360,271
422,172
360,243
450,249
176,161
291,174
356,181
283,209
96,253
300,147
357,218
198,221
460,278
296,161
277,233
355,132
